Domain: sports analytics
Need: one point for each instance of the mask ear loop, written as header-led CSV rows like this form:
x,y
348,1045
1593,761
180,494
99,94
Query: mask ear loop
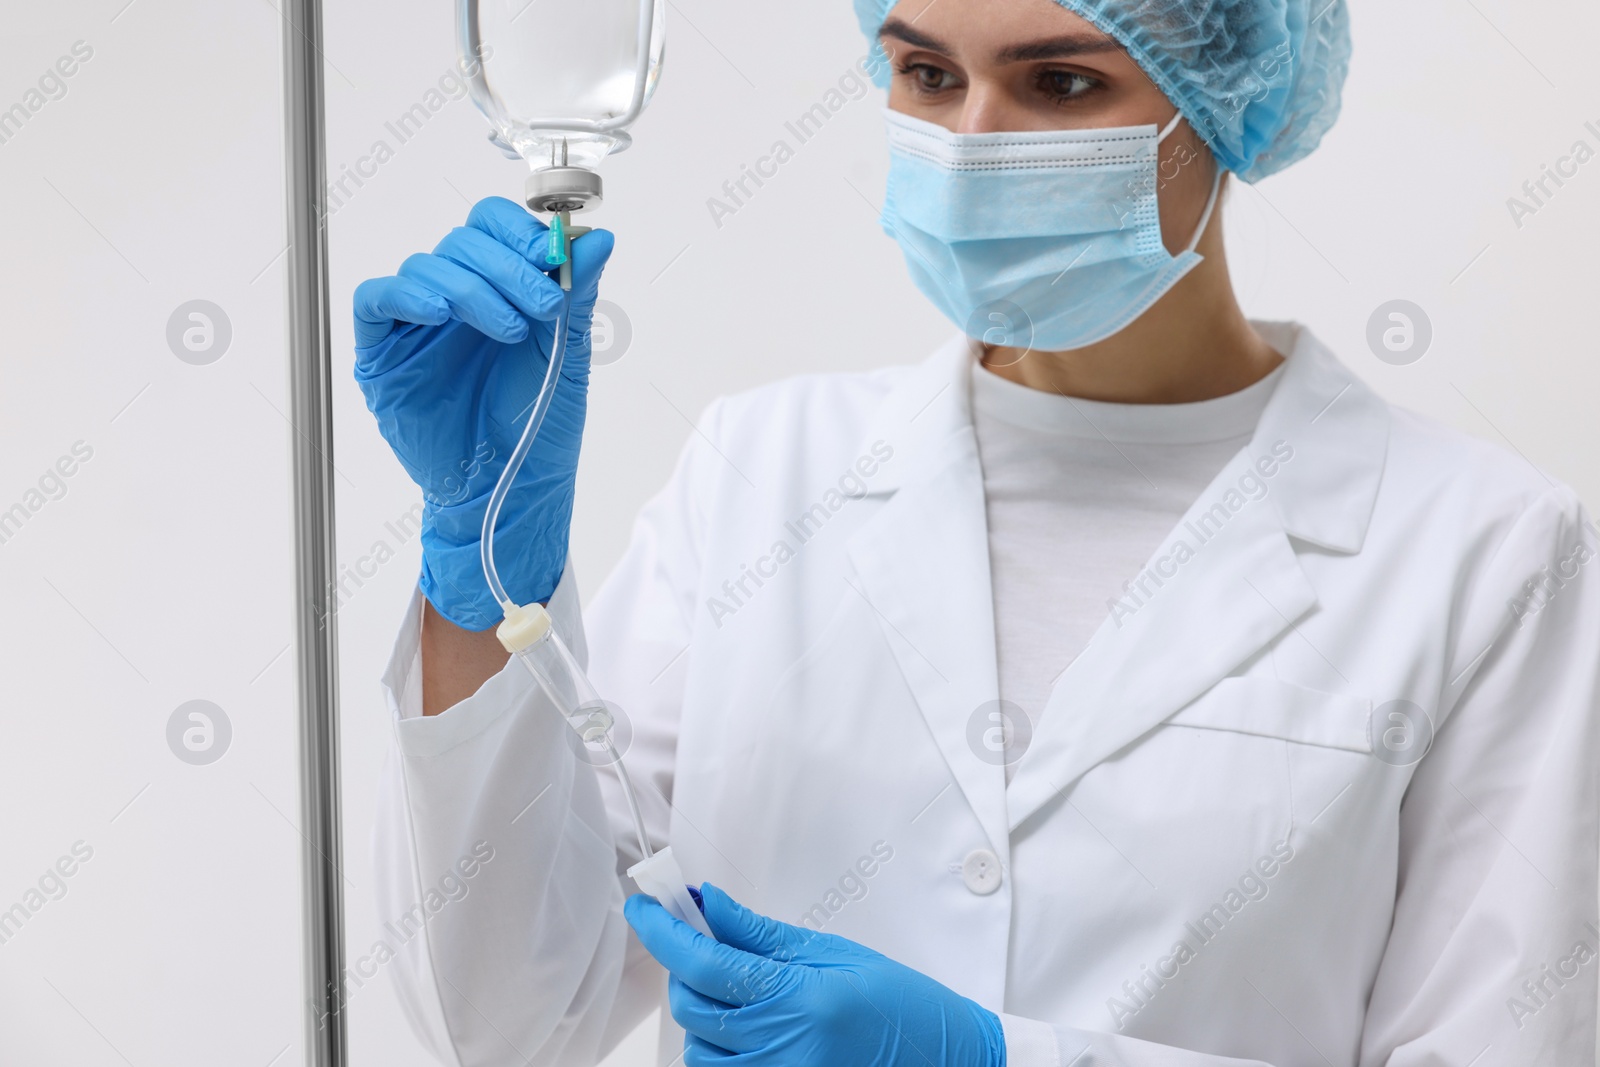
x,y
1216,187
1211,205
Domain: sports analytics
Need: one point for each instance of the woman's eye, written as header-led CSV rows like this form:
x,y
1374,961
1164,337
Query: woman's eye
x,y
926,78
1063,85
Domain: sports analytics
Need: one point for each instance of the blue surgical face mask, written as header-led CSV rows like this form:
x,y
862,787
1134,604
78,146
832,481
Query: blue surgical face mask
x,y
1048,239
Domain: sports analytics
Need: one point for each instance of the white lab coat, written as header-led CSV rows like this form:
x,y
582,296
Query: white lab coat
x,y
1202,859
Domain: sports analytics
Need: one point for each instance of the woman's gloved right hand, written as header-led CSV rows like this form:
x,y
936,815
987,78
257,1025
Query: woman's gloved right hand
x,y
450,354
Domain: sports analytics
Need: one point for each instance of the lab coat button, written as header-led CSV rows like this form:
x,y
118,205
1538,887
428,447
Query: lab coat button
x,y
981,871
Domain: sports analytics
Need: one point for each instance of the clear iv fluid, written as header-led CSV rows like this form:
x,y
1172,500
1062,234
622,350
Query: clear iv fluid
x,y
555,70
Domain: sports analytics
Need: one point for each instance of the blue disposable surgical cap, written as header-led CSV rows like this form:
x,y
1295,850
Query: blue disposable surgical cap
x,y
1259,80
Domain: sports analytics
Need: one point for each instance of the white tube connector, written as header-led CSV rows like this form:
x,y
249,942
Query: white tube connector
x,y
660,877
524,626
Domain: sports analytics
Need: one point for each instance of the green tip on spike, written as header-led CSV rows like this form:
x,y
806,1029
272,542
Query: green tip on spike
x,y
557,253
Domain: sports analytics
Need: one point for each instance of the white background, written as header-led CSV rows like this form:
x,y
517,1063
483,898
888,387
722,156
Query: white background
x,y
163,574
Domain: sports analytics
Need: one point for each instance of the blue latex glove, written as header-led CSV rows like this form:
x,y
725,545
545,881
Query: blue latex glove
x,y
450,354
767,994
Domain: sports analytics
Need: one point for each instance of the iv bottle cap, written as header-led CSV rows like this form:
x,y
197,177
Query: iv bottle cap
x,y
523,626
562,189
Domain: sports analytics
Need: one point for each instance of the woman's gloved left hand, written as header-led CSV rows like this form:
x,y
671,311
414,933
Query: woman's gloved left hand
x,y
768,994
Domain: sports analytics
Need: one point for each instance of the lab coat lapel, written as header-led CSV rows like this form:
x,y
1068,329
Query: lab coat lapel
x,y
1241,587
922,567
1238,591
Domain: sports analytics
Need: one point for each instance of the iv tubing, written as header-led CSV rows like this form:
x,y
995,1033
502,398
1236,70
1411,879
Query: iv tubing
x,y
627,791
497,498
502,488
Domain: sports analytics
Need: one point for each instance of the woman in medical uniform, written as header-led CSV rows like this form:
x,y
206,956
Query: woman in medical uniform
x,y
1125,683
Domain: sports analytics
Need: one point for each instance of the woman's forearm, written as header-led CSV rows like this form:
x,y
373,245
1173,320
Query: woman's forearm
x,y
455,661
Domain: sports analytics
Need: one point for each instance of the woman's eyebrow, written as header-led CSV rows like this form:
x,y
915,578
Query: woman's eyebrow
x,y
904,31
1059,48
1050,48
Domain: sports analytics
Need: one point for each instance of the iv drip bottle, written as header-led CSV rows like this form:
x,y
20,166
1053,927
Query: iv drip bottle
x,y
562,80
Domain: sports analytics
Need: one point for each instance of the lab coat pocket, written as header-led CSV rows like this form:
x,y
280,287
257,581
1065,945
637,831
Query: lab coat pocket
x,y
1267,707
1322,742
1223,780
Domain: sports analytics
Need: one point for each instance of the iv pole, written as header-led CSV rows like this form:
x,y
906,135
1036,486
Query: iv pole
x,y
311,413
